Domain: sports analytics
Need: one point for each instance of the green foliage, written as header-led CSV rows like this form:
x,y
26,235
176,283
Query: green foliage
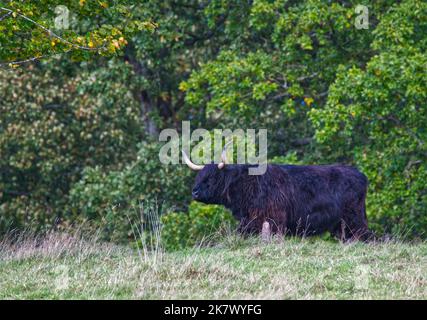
x,y
29,29
51,128
283,58
290,158
200,223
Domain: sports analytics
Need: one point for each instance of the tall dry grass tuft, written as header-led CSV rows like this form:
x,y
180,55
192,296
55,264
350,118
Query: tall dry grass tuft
x,y
147,232
51,244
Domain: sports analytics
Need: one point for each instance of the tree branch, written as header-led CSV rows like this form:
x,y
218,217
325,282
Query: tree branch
x,y
50,32
5,16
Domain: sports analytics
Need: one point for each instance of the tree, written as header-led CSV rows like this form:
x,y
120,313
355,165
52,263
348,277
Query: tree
x,y
52,127
283,57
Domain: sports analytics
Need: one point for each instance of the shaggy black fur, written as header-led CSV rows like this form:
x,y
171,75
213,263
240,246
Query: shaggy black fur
x,y
300,200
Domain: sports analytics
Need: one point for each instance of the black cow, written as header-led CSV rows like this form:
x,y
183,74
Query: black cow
x,y
297,200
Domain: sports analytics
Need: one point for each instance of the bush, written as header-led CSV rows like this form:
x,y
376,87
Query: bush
x,y
182,230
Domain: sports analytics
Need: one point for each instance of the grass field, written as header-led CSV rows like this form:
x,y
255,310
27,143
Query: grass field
x,y
67,267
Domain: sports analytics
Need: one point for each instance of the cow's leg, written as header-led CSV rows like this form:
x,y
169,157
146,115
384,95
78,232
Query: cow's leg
x,y
249,226
244,227
356,223
266,232
356,230
339,230
323,217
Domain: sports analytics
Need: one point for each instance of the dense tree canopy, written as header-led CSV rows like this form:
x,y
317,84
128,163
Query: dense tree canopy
x,y
79,121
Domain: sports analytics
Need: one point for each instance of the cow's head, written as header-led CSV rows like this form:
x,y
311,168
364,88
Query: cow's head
x,y
213,180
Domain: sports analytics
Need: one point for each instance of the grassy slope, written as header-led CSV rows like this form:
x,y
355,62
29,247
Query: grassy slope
x,y
291,269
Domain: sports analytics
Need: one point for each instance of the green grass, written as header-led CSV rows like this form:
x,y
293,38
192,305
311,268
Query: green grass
x,y
65,267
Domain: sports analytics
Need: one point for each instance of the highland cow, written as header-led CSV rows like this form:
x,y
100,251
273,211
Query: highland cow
x,y
296,200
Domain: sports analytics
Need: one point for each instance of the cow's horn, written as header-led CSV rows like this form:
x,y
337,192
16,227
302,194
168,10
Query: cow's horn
x,y
192,165
224,160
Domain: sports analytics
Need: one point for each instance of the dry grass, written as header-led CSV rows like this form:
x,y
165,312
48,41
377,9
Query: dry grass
x,y
69,267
